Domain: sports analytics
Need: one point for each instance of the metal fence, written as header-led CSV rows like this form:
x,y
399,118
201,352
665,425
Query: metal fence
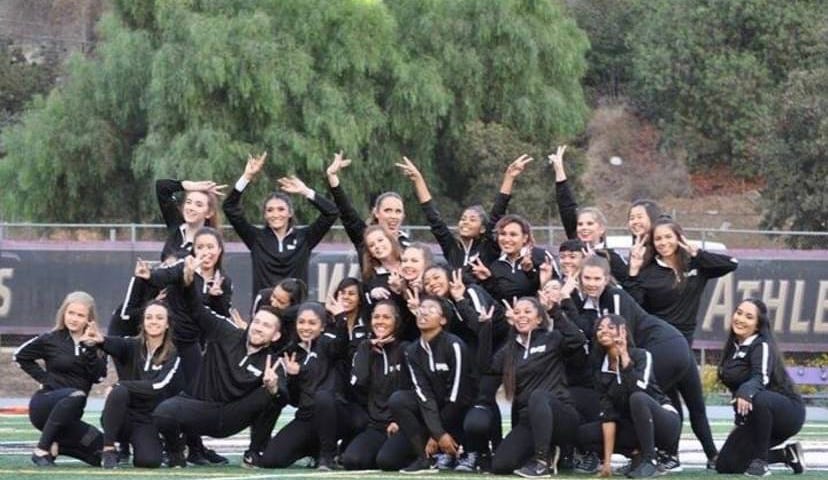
x,y
544,235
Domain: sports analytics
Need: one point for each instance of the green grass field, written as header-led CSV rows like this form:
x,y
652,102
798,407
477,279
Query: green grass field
x,y
17,437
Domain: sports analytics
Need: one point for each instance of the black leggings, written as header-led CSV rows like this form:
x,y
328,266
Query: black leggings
x,y
774,419
547,421
405,408
183,413
315,432
57,414
373,448
690,389
120,422
650,426
483,422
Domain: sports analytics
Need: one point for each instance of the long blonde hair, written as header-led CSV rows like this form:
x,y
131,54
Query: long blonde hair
x,y
75,297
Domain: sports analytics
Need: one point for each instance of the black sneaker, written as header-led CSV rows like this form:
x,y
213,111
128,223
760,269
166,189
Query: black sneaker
x,y
176,459
794,457
711,462
668,463
124,457
109,459
646,468
588,463
467,463
214,458
418,467
251,459
444,461
43,460
628,467
533,469
758,468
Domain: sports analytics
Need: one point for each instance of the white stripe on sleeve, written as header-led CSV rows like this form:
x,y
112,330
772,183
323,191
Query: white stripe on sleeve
x,y
167,378
458,368
648,367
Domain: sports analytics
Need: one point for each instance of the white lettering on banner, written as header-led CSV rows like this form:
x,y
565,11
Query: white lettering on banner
x,y
721,303
799,324
749,288
776,304
326,282
5,291
820,322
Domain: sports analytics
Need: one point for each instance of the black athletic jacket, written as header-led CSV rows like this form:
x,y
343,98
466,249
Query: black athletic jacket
x,y
615,387
441,372
185,328
274,258
228,372
456,254
568,211
376,373
68,364
317,367
354,224
539,364
578,368
677,302
147,383
176,243
464,318
749,369
127,317
508,280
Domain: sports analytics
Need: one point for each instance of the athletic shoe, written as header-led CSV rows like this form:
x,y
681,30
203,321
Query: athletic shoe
x,y
109,459
418,467
124,454
588,463
567,463
214,458
794,457
326,464
711,462
668,463
533,469
467,463
251,459
646,468
176,460
43,460
758,468
628,467
556,457
444,461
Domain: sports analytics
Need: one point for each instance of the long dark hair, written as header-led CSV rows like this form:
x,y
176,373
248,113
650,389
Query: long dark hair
x,y
525,226
617,321
296,289
650,207
779,376
682,256
285,198
167,348
509,366
215,234
352,282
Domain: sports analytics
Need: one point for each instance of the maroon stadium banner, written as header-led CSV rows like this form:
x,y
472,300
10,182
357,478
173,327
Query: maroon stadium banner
x,y
35,276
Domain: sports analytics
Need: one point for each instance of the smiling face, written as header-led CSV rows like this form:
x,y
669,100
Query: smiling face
x,y
263,329
383,321
196,209
156,321
526,317
390,214
279,298
745,320
378,245
590,229
436,282
639,221
470,224
349,297
207,250
76,317
606,332
593,281
308,325
665,241
412,263
552,289
430,316
571,262
511,238
277,214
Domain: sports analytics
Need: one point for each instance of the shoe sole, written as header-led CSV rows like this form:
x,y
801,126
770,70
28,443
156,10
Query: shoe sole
x,y
521,474
766,474
417,472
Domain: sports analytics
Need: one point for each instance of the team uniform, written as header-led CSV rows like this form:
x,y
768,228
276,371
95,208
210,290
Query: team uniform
x,y
56,409
176,243
508,280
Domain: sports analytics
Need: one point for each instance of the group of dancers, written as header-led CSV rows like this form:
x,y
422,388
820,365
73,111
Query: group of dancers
x,y
400,369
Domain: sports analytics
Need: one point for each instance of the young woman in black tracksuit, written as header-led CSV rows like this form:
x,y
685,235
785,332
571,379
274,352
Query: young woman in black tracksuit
x,y
378,370
475,237
636,417
388,211
768,408
587,224
312,376
533,374
641,217
445,387
279,249
199,209
127,317
674,362
516,272
147,362
72,365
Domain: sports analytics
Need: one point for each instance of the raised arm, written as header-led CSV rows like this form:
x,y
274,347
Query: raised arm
x,y
353,223
564,197
232,204
165,190
327,210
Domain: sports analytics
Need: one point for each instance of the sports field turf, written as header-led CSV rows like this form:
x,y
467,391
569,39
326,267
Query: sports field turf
x,y
17,437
